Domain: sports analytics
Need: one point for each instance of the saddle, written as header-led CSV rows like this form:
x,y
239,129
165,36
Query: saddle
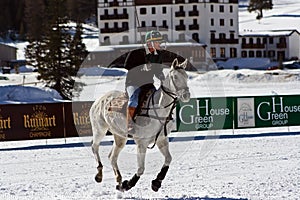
x,y
119,104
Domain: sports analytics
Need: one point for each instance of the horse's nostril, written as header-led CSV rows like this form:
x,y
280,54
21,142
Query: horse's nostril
x,y
186,96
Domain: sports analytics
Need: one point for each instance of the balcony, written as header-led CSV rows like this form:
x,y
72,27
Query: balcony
x,y
180,27
281,45
233,1
115,3
193,13
114,16
253,46
193,1
224,41
214,1
194,27
179,1
152,2
180,14
113,30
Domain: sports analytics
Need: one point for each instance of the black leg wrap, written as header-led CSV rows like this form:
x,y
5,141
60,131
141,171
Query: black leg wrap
x,y
162,174
127,185
156,183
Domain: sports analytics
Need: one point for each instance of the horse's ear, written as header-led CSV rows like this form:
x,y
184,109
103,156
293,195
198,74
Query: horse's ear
x,y
174,63
184,64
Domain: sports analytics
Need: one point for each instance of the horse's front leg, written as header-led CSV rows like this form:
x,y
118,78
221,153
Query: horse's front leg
x,y
163,146
141,154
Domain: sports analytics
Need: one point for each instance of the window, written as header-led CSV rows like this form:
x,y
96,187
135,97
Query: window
x,y
221,8
233,52
282,40
251,41
258,41
212,36
222,22
271,54
212,22
231,9
222,36
211,8
105,12
222,52
106,26
271,40
153,10
232,36
244,54
116,25
231,22
213,52
143,11
264,40
258,54
244,41
251,54
164,10
115,11
165,25
143,24
125,25
153,23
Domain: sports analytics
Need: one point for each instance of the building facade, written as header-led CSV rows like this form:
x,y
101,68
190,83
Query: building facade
x,y
213,23
275,45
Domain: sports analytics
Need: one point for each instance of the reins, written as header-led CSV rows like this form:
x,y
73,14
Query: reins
x,y
169,116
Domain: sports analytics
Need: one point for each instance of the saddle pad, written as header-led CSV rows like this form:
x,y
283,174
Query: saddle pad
x,y
119,104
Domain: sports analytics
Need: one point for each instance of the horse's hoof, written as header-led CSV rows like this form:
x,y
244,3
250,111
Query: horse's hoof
x,y
119,187
98,179
125,185
156,184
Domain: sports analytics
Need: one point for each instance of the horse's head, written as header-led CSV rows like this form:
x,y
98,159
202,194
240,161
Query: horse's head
x,y
178,80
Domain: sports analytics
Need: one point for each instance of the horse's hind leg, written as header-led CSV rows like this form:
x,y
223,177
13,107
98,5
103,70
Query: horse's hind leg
x,y
163,146
114,154
99,132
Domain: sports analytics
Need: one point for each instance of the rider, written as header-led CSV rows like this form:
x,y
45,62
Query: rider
x,y
142,65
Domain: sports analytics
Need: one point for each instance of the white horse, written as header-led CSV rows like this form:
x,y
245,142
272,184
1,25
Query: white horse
x,y
150,129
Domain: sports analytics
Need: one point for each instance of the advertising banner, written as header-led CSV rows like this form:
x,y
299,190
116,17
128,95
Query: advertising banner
x,y
268,111
205,114
78,119
31,121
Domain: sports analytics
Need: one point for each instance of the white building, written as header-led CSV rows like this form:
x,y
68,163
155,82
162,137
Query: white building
x,y
274,44
213,23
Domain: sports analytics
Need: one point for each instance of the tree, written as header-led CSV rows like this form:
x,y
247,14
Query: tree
x,y
259,6
57,55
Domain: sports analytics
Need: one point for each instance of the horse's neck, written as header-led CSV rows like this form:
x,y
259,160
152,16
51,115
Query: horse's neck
x,y
162,98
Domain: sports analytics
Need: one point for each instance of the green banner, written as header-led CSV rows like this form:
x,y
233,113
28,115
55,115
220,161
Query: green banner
x,y
205,114
268,111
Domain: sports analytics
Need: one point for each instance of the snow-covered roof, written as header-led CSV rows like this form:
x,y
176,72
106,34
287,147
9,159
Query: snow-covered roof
x,y
273,33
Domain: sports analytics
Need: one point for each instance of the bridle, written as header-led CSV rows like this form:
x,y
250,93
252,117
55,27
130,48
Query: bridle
x,y
165,120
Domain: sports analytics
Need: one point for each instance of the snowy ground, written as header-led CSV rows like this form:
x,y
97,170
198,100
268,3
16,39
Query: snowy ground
x,y
228,169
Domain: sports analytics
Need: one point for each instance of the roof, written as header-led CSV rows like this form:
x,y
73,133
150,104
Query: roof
x,y
8,45
265,33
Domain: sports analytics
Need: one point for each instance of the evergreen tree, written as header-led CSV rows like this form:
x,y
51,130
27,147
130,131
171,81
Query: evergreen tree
x,y
259,6
77,54
58,56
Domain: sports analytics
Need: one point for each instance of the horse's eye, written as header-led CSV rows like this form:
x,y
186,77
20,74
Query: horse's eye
x,y
175,77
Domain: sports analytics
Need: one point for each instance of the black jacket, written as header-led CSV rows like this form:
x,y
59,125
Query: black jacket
x,y
143,67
